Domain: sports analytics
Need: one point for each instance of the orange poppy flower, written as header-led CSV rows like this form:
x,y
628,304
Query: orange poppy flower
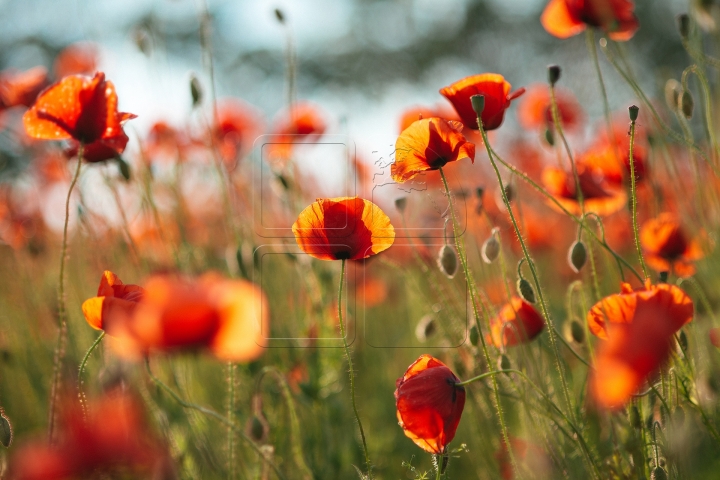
x,y
535,109
613,162
497,99
598,196
82,109
113,298
77,59
518,322
111,439
21,88
344,228
302,122
228,317
638,328
666,247
429,144
566,18
429,404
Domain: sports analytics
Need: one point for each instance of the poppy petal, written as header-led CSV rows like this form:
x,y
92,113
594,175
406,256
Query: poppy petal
x,y
559,22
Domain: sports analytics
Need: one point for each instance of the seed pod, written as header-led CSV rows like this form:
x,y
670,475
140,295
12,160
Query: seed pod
x,y
550,137
425,328
491,248
633,111
687,104
553,74
662,277
6,431
509,192
635,421
577,256
478,103
195,91
447,261
124,168
658,474
503,362
474,335
400,204
525,290
577,332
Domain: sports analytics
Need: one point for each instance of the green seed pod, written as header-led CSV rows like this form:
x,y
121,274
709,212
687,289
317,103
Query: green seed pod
x,y
491,248
503,362
509,192
447,261
525,290
687,104
577,256
124,168
474,335
400,204
6,431
635,421
633,111
577,332
553,74
662,277
683,25
195,91
550,137
478,103
658,474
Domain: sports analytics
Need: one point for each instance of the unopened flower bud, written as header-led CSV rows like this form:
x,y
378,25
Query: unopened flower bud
x,y
658,474
400,204
687,104
195,91
474,335
124,168
447,261
550,137
6,431
683,25
525,290
509,192
577,256
504,362
633,110
683,341
478,103
553,74
491,248
280,16
425,328
577,332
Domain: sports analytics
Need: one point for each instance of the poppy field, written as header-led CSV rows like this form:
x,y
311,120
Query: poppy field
x,y
429,243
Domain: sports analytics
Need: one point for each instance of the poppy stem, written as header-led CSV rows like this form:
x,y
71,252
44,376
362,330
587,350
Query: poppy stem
x,y
81,371
438,466
232,473
350,369
62,310
215,415
633,198
471,288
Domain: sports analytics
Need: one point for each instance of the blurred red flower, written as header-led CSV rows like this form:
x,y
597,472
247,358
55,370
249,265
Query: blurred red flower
x,y
349,228
535,112
518,322
598,196
77,59
238,124
82,109
429,144
638,328
304,121
497,99
566,18
667,248
21,88
113,298
429,404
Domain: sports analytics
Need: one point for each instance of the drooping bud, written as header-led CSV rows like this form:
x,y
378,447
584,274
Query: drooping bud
x,y
280,16
658,474
550,137
633,110
6,431
400,204
478,103
683,25
503,362
474,335
525,290
577,256
195,91
491,248
257,426
553,74
447,261
577,332
425,328
124,168
687,104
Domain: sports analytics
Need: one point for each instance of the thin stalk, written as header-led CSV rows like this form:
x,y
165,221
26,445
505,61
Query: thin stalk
x,y
590,40
633,199
438,464
62,310
81,371
352,372
231,416
215,415
471,287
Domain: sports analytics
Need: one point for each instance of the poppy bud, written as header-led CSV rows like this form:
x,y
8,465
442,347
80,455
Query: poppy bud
x,y
478,103
124,168
550,137
683,25
553,74
491,248
503,362
474,335
525,290
658,474
280,16
6,432
447,261
577,256
687,104
633,110
577,332
400,204
662,277
425,328
195,91
509,192
635,417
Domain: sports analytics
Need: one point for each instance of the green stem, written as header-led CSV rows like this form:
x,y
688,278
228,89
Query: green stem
x,y
215,415
633,199
62,310
231,416
81,370
352,372
438,466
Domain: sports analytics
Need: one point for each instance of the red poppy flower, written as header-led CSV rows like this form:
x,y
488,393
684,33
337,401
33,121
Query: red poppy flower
x,y
82,109
565,18
349,228
612,163
304,121
429,144
429,404
598,196
518,322
113,298
21,88
111,440
77,59
666,247
238,124
228,317
535,110
638,328
497,99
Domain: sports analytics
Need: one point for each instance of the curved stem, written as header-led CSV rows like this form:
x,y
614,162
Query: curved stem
x,y
62,310
633,199
81,370
350,369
